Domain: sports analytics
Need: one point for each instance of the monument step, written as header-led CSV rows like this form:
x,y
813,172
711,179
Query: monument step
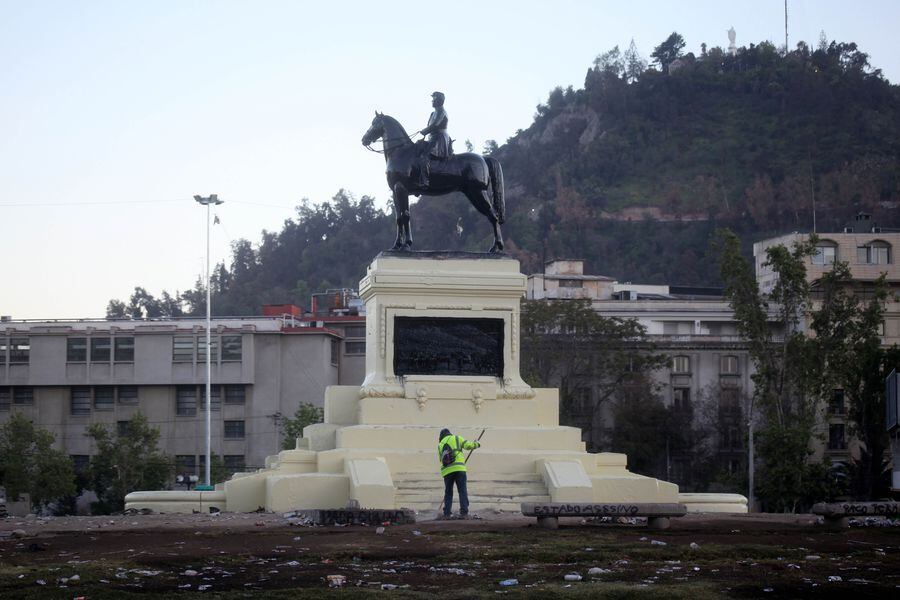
x,y
484,460
420,437
499,497
485,490
471,477
474,507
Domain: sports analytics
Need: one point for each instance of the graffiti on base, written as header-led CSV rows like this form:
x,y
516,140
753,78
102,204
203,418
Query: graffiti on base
x,y
890,509
586,509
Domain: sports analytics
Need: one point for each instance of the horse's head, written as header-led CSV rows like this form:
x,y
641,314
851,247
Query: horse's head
x,y
375,131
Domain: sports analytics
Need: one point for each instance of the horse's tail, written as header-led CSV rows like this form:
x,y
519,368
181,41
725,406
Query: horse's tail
x,y
496,173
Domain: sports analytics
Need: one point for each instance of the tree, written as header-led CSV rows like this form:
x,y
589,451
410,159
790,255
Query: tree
x,y
668,51
142,304
720,431
641,428
30,465
787,391
565,343
116,309
848,342
306,414
611,62
635,65
126,461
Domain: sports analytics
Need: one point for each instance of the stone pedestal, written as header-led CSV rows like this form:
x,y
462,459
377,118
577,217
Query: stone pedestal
x,y
442,350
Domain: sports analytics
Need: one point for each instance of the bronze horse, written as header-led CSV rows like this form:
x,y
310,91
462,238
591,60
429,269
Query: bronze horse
x,y
480,178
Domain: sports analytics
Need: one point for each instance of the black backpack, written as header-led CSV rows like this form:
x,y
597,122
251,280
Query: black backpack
x,y
448,454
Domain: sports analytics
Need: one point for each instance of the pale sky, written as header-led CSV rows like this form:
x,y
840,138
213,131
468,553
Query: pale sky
x,y
114,114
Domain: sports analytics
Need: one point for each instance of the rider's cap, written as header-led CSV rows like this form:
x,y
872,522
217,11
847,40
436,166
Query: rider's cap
x,y
438,95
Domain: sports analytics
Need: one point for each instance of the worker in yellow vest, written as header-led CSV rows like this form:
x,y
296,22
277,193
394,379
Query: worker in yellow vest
x,y
453,469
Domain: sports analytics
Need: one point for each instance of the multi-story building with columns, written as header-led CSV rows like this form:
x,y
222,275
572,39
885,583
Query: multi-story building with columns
x,y
693,327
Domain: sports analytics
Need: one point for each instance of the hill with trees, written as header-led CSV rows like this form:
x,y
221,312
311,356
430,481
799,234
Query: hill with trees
x,y
633,172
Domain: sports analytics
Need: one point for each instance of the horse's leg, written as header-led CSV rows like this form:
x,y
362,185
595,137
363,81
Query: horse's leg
x,y
401,206
482,203
398,213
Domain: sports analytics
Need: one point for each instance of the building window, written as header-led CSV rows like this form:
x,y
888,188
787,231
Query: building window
x,y
122,428
826,254
128,394
19,349
185,464
201,349
124,349
681,399
728,365
235,394
232,348
183,349
836,439
76,350
80,401
678,327
729,403
18,396
234,430
681,364
100,350
104,397
186,400
80,463
335,350
353,331
354,347
234,463
836,403
570,283
216,392
731,439
23,396
874,253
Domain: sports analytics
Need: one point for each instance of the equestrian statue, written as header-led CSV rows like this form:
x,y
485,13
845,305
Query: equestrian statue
x,y
429,167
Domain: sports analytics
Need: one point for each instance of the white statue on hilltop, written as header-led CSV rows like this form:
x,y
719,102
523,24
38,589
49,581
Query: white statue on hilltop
x,y
731,37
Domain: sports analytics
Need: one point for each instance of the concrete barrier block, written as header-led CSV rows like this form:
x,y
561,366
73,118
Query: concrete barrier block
x,y
306,490
370,482
566,480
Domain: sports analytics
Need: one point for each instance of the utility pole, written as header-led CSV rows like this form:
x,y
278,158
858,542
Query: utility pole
x,y
750,460
212,199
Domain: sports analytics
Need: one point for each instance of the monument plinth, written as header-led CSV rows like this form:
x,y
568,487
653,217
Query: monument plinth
x,y
442,350
442,339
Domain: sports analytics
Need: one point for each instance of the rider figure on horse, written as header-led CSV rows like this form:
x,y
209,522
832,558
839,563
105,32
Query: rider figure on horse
x,y
437,145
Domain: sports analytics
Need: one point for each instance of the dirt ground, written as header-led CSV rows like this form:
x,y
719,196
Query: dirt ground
x,y
244,555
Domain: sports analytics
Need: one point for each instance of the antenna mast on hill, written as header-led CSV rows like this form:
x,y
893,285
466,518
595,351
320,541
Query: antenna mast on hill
x,y
785,29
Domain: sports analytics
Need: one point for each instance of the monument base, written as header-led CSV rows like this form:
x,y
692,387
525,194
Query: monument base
x,y
343,463
442,350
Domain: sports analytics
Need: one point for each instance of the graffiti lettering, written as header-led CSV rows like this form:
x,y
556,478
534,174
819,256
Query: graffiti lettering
x,y
543,510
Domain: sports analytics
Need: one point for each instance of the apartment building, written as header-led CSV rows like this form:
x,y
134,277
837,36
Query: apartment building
x,y
869,252
66,375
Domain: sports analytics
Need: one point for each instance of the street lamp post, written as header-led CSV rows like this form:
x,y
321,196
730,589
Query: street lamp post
x,y
212,199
